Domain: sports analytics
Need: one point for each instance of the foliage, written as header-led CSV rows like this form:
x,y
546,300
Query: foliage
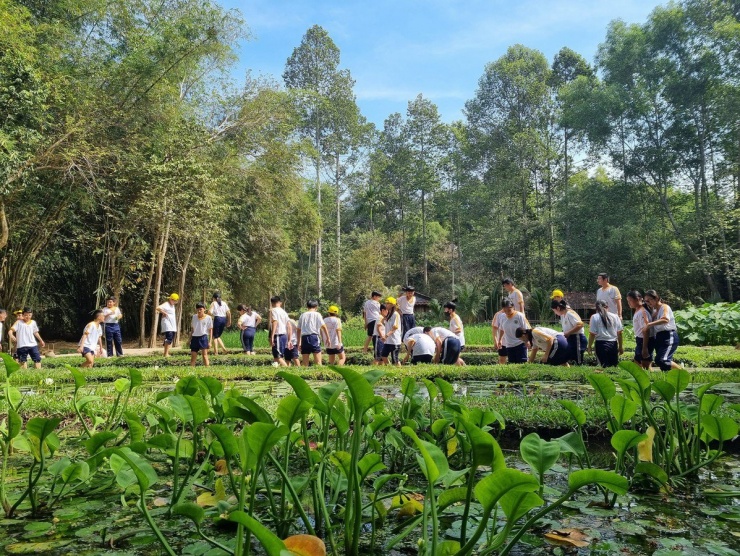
x,y
710,324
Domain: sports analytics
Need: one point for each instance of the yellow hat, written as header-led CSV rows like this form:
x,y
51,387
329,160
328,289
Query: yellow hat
x,y
18,312
174,297
557,293
391,300
334,310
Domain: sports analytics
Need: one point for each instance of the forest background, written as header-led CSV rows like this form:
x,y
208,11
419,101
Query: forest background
x,y
132,164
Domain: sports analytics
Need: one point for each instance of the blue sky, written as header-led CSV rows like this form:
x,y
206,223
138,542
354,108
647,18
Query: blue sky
x,y
396,49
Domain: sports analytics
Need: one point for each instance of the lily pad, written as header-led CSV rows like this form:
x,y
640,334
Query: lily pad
x,y
35,547
628,528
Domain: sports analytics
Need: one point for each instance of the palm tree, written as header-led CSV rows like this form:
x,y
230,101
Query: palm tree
x,y
470,301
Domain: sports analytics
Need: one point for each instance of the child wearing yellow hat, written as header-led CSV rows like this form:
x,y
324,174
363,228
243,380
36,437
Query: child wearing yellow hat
x,y
391,333
335,347
168,321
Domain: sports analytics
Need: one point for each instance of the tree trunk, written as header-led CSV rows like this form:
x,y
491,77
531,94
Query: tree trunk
x,y
4,230
424,238
161,253
320,243
181,289
145,296
339,232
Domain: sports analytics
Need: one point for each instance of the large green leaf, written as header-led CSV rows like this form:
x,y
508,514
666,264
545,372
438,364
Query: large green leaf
x,y
135,378
607,479
665,389
638,373
622,408
271,543
226,438
485,449
603,385
719,428
446,389
678,378
261,437
190,510
652,470
434,461
625,439
432,389
142,470
78,471
490,489
304,391
572,443
78,377
259,413
577,413
15,424
362,393
11,365
291,409
540,454
41,427
98,440
711,402
516,504
370,463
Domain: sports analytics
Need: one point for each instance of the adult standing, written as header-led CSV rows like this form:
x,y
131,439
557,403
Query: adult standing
x,y
666,336
609,294
516,348
572,326
371,313
168,321
605,330
221,314
248,322
406,305
514,294
112,314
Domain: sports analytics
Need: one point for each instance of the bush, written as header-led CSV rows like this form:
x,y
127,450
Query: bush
x,y
712,324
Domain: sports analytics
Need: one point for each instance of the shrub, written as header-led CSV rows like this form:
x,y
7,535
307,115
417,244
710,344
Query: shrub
x,y
711,324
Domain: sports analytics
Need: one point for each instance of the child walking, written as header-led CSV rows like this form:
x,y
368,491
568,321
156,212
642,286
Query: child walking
x,y
24,334
168,321
91,343
335,347
201,335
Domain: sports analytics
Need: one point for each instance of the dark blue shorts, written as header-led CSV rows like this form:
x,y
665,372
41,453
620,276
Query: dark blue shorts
x,y
517,354
450,351
198,343
391,352
378,348
562,354
33,351
85,351
577,344
370,327
219,323
169,337
278,347
292,353
310,344
607,353
407,323
335,351
421,359
666,343
638,349
503,351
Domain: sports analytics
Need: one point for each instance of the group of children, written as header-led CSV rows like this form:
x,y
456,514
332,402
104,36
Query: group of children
x,y
653,324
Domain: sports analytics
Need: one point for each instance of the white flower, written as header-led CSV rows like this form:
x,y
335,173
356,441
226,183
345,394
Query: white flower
x,y
174,378
156,367
48,381
275,363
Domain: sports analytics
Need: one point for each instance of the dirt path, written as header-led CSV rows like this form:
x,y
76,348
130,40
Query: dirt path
x,y
69,349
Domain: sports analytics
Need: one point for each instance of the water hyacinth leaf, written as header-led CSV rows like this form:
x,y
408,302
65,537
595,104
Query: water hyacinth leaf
x,y
572,443
678,378
190,510
14,397
370,463
165,441
719,428
578,414
711,402
439,426
451,496
15,424
305,545
638,373
380,422
259,413
490,489
432,389
701,390
58,466
363,395
652,470
408,386
142,469
665,389
270,542
482,418
181,407
622,408
303,391
187,386
445,389
11,365
291,410
434,461
199,408
41,427
261,437
607,479
226,438
343,460
121,385
78,377
517,504
603,385
645,447
539,454
135,429
625,439
372,376
78,471
630,389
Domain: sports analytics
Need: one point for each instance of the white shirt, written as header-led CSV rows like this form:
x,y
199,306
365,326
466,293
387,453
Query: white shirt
x,y
496,322
310,322
517,299
379,325
372,310
393,338
278,315
202,326
639,321
405,306
610,296
112,314
218,310
248,321
541,336
423,345
598,329
663,312
412,332
94,331
442,333
570,320
456,327
332,325
168,321
293,340
24,333
509,325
